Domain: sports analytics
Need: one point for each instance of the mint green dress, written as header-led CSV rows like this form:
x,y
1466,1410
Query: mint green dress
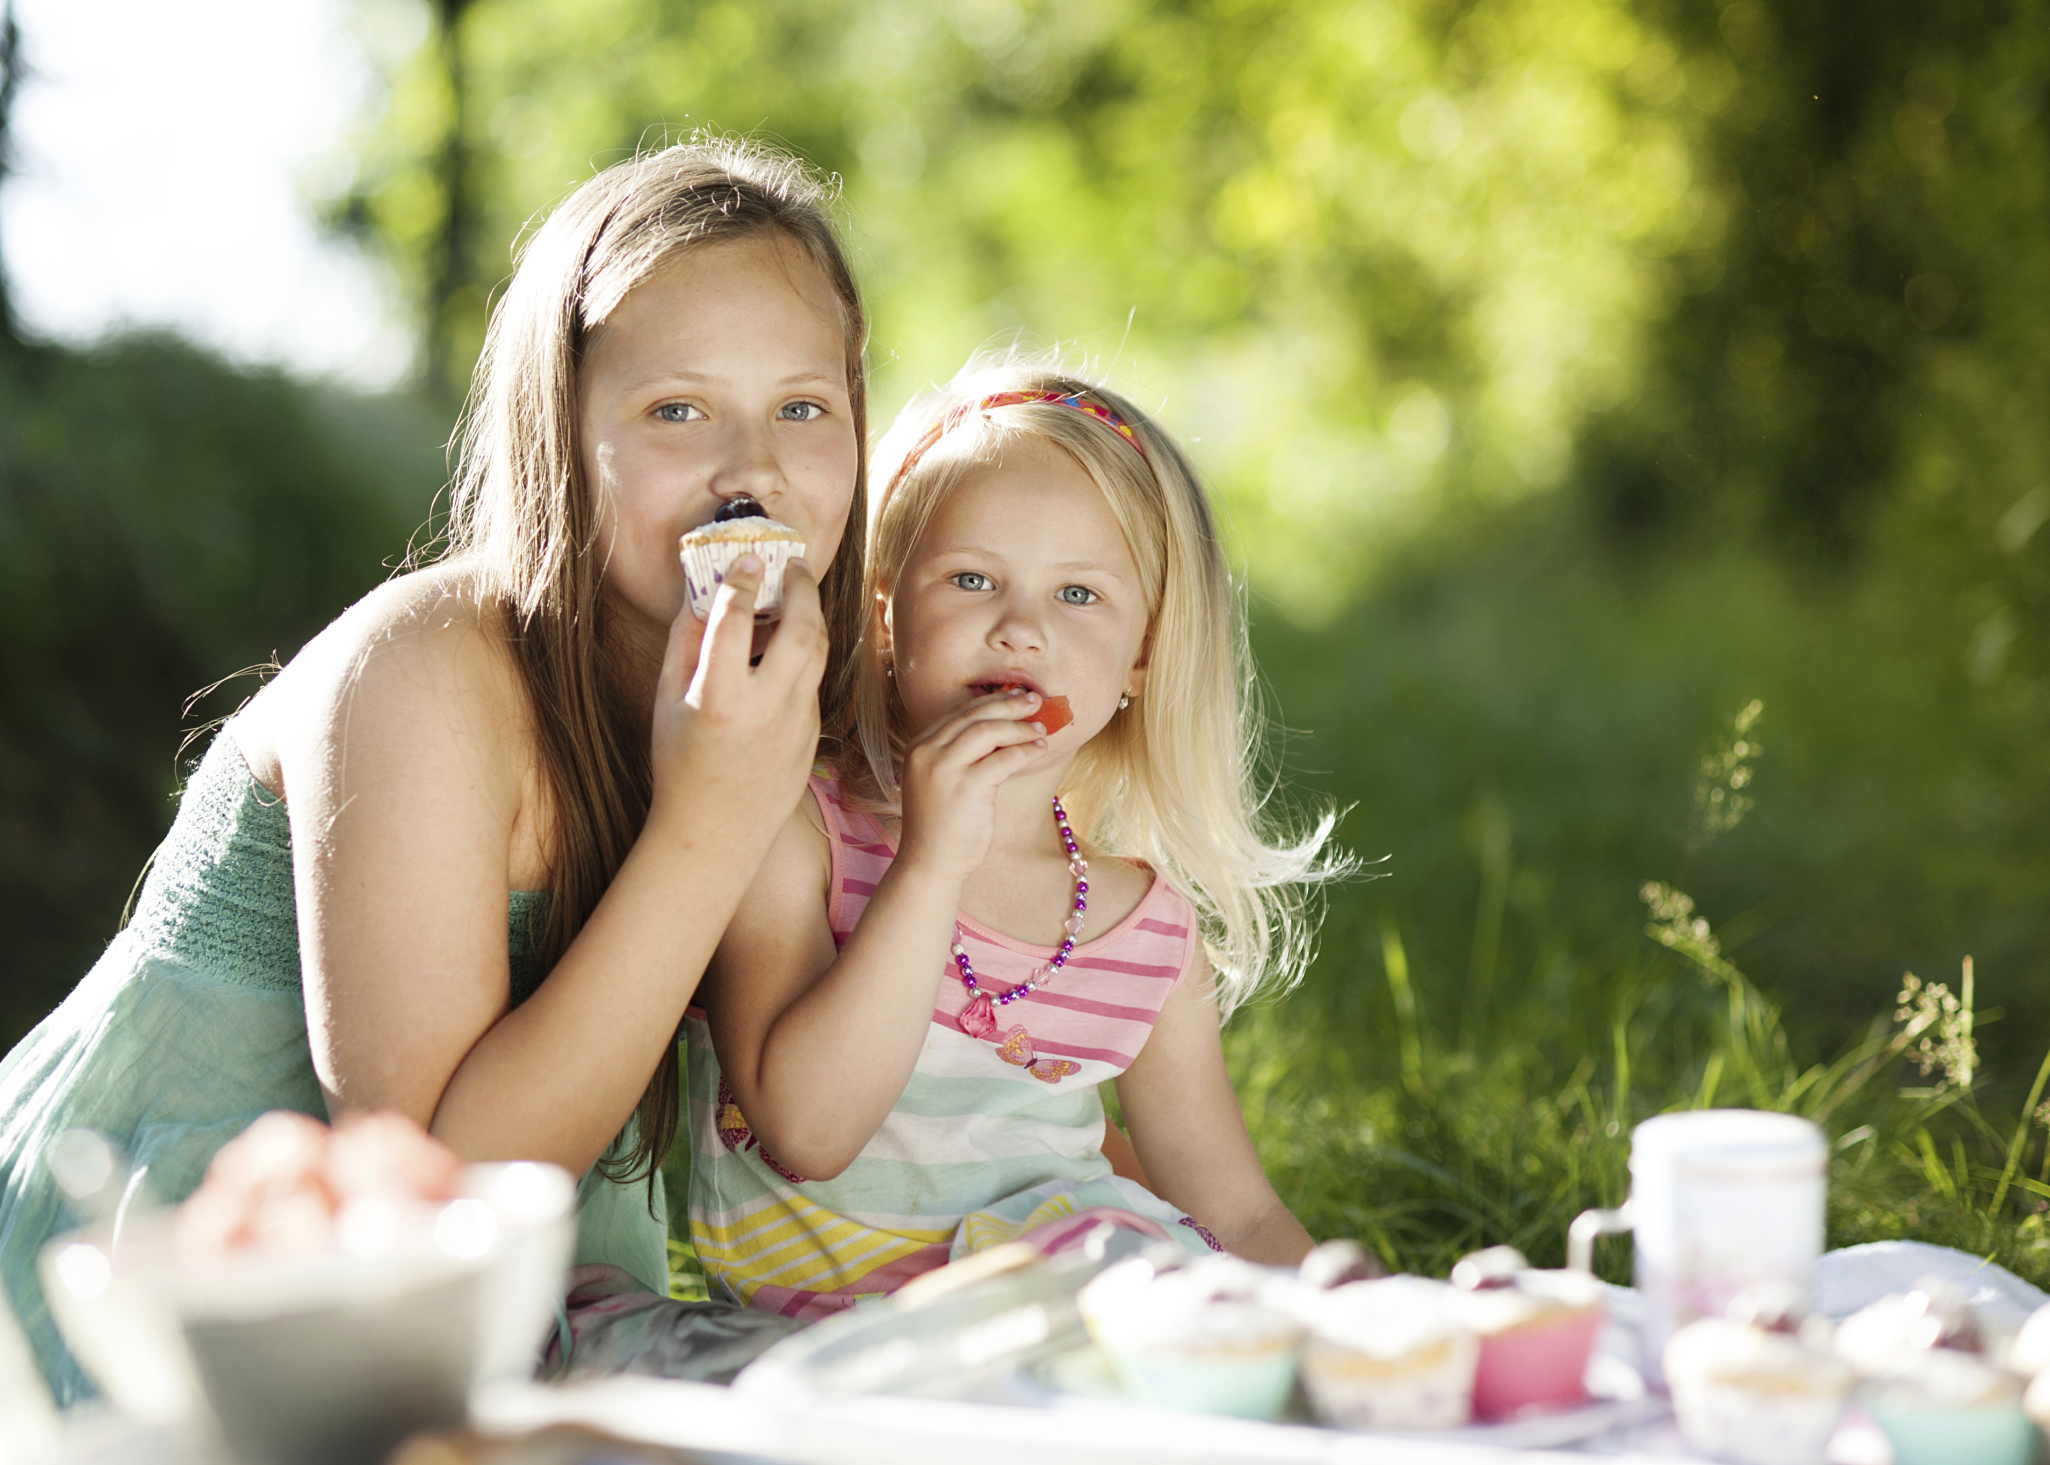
x,y
192,1024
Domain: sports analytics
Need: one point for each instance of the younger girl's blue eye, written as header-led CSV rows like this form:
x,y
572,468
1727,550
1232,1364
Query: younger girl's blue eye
x,y
971,580
677,412
803,412
1075,594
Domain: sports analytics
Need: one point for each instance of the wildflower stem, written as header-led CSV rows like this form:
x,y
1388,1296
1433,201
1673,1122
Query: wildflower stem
x,y
2016,1145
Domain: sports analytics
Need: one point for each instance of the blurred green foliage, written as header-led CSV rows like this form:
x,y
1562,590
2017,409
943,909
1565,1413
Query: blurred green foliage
x,y
1360,251
164,521
1576,373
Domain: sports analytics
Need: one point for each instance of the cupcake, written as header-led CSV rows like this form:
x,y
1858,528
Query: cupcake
x,y
741,526
1335,1263
1756,1394
1390,1354
1929,1384
2029,1352
1194,1337
1536,1331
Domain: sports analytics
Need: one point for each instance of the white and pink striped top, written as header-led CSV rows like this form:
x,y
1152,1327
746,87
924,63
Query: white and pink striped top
x,y
991,1138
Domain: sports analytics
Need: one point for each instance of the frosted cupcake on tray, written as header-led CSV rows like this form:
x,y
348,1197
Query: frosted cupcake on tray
x,y
1759,1387
1537,1329
1194,1337
741,526
1932,1382
1390,1354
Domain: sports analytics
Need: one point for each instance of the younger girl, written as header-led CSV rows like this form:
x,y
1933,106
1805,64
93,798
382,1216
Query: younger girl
x,y
1037,866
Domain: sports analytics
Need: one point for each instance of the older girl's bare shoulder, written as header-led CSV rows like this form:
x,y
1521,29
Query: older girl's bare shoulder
x,y
422,661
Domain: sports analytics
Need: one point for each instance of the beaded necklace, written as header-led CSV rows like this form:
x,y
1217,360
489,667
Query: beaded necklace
x,y
978,1018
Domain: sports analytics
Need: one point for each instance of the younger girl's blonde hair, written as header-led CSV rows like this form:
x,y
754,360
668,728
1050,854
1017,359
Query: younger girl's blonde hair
x,y
1176,779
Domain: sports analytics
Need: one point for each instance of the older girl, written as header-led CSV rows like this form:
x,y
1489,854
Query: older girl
x,y
1039,865
464,857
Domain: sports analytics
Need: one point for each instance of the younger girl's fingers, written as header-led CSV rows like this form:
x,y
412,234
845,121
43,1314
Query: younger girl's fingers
x,y
998,710
1001,763
977,740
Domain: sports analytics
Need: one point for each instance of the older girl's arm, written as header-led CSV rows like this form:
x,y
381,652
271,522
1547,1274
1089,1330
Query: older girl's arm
x,y
1191,1137
407,786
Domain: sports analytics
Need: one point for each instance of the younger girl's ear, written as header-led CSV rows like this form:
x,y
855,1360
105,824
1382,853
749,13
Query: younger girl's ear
x,y
1136,681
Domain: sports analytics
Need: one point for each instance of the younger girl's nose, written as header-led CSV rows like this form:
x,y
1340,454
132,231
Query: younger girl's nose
x,y
1018,630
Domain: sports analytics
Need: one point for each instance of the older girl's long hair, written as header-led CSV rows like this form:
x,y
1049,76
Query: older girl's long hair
x,y
525,520
1177,779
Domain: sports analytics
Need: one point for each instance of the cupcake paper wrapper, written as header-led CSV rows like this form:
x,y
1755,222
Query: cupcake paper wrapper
x,y
705,562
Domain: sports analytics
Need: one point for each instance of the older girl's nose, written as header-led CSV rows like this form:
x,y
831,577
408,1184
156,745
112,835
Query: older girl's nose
x,y
747,465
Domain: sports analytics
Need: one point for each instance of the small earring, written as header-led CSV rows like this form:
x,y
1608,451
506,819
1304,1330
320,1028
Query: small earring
x,y
890,670
1124,700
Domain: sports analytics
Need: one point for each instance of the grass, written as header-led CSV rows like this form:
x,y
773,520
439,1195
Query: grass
x,y
1468,1149
1537,730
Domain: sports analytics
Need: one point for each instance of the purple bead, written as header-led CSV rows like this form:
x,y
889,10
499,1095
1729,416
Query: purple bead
x,y
1081,887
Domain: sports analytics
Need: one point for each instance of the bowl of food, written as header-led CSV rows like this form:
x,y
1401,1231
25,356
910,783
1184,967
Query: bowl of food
x,y
322,1316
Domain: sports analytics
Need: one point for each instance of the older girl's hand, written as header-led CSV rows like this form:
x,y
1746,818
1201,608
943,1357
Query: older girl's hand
x,y
951,775
731,740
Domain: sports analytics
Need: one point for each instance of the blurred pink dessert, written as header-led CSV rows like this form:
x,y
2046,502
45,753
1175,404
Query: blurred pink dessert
x,y
282,1185
1536,1330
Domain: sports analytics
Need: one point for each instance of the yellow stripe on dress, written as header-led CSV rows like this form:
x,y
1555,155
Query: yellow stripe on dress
x,y
982,1230
828,1247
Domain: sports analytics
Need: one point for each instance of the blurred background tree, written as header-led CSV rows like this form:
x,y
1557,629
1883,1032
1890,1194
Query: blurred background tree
x,y
1576,373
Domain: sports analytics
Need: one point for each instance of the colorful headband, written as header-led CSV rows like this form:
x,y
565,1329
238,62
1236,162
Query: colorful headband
x,y
994,400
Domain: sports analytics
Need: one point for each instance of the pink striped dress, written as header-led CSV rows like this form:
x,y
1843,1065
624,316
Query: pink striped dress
x,y
994,1139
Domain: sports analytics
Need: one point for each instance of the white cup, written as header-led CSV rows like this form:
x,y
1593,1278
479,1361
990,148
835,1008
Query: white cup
x,y
1720,1200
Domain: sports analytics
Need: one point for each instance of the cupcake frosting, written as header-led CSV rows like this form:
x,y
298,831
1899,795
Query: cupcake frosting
x,y
1211,1306
1727,1352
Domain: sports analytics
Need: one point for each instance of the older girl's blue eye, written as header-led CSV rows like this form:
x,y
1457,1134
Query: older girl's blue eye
x,y
970,580
677,412
1076,594
803,412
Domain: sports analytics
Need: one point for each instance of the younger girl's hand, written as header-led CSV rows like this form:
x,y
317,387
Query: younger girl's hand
x,y
952,773
731,740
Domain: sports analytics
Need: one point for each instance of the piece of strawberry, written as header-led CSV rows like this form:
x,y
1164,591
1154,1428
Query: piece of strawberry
x,y
1054,714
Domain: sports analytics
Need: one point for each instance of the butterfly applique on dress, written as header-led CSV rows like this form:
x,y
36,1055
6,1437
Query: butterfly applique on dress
x,y
1016,1049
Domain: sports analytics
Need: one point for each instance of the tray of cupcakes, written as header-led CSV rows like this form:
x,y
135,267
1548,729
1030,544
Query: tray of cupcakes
x,y
1504,1353
1501,1357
